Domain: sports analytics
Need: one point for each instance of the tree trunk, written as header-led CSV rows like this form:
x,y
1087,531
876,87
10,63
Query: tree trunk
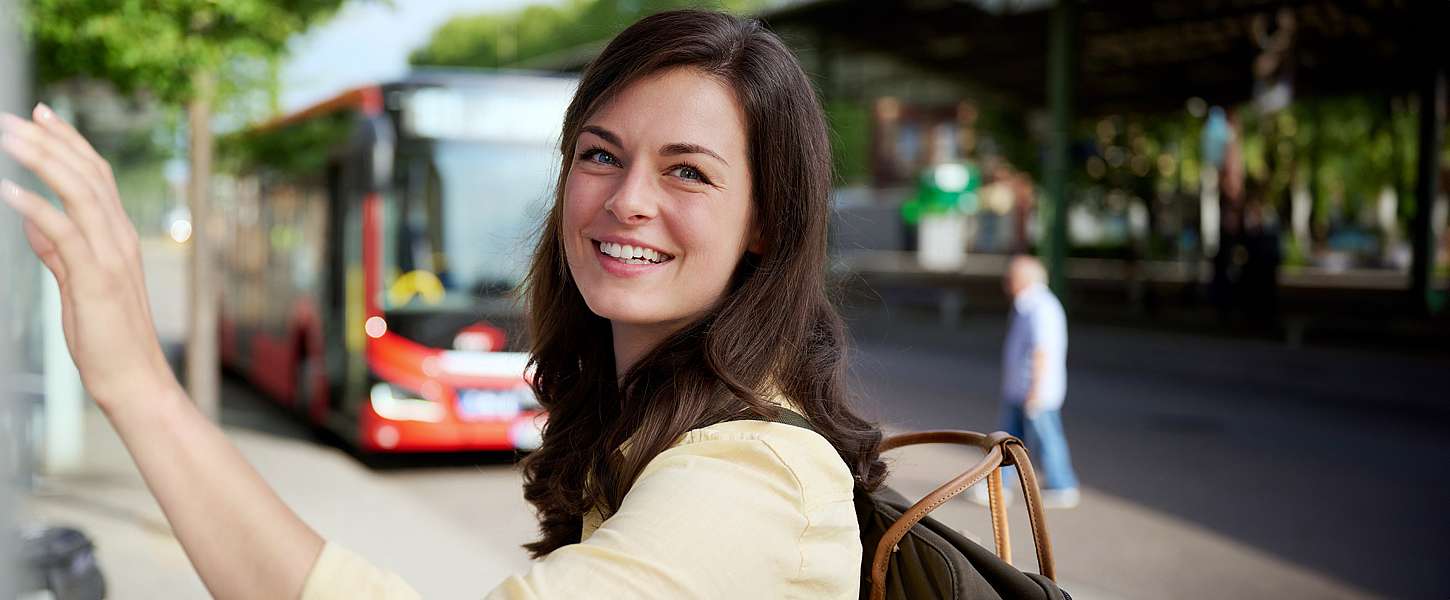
x,y
202,369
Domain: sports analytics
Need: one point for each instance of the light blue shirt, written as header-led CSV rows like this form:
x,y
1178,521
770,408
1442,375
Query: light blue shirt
x,y
1038,323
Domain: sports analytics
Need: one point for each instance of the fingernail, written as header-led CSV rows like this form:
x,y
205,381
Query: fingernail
x,y
43,112
9,191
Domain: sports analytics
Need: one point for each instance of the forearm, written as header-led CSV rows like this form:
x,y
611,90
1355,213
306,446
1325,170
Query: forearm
x,y
1039,371
241,539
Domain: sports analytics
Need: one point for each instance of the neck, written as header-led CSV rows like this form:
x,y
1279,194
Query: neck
x,y
633,341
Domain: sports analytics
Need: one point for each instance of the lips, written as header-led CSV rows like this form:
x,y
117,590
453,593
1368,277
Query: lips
x,y
626,260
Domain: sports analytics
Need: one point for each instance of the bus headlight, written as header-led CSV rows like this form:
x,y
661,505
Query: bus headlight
x,y
394,403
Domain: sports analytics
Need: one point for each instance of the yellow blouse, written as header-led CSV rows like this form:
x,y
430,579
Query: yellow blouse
x,y
743,509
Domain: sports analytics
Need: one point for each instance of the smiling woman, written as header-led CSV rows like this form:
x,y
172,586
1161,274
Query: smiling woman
x,y
635,188
679,316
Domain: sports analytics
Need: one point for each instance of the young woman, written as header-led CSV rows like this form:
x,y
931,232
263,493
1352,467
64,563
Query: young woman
x,y
677,302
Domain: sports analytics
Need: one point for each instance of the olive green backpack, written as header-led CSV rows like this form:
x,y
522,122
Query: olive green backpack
x,y
907,555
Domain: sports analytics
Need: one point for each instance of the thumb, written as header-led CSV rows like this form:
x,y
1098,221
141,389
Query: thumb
x,y
45,250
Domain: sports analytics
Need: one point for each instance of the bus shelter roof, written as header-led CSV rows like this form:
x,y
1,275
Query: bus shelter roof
x,y
1140,55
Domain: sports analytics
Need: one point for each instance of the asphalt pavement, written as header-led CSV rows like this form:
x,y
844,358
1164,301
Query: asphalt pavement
x,y
1212,467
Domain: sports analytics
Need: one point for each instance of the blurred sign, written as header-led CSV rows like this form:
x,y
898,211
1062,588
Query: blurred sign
x,y
499,116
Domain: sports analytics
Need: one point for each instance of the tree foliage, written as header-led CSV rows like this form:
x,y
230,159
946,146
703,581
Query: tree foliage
x,y
159,45
510,38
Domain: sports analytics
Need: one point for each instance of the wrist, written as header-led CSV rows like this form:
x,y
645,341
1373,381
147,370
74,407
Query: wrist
x,y
143,393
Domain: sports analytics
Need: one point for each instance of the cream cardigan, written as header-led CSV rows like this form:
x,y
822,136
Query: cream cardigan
x,y
742,509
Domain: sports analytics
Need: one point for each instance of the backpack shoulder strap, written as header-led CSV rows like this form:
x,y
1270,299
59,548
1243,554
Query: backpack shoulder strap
x,y
786,416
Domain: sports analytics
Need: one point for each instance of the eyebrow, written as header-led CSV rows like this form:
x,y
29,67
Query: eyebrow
x,y
665,150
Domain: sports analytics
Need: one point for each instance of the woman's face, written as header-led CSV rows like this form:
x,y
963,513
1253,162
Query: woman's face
x,y
657,210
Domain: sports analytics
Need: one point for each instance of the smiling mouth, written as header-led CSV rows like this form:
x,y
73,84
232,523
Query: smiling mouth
x,y
632,255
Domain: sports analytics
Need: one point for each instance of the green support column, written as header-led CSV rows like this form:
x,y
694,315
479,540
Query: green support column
x,y
1061,71
1432,122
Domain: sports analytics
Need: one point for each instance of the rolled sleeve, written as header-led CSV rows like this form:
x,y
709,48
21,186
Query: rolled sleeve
x,y
340,574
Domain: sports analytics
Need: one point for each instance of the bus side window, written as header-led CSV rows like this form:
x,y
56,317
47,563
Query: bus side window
x,y
335,262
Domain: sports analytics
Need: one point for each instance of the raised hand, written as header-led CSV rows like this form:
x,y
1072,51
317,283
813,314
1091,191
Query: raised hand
x,y
92,250
243,541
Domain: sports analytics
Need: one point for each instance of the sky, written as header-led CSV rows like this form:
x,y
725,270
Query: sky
x,y
369,41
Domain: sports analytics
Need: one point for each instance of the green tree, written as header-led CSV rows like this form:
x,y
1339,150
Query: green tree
x,y
513,38
176,50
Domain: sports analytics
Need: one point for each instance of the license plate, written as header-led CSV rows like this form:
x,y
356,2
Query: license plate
x,y
482,405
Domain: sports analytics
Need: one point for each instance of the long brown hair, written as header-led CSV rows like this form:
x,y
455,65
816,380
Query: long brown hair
x,y
775,331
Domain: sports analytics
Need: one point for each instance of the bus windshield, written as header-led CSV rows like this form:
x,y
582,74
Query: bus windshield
x,y
462,221
474,168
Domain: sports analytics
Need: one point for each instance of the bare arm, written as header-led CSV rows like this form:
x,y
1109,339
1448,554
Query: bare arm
x,y
1032,404
242,540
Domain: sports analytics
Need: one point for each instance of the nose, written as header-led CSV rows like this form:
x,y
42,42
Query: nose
x,y
633,202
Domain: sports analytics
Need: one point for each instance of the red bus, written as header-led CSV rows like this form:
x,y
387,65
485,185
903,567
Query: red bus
x,y
370,246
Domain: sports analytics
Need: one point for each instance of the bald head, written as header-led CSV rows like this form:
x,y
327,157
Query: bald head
x,y
1023,272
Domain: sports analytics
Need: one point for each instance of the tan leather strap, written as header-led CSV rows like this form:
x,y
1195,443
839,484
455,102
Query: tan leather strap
x,y
998,505
1001,449
1035,515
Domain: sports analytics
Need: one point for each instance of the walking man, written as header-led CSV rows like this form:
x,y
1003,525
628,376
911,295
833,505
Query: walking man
x,y
1034,383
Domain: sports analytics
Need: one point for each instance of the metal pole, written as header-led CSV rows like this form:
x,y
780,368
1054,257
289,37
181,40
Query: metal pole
x,y
65,398
1061,71
13,420
1432,124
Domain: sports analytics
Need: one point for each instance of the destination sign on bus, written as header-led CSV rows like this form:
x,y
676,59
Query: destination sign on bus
x,y
454,113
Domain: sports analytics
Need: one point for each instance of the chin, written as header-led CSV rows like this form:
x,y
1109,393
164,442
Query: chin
x,y
623,307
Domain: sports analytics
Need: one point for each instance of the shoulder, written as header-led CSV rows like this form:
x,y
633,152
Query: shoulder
x,y
1043,304
800,461
735,498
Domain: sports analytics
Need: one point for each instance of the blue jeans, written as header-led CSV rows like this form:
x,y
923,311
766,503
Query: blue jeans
x,y
1046,445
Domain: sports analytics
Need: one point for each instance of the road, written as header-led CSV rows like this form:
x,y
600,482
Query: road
x,y
1213,468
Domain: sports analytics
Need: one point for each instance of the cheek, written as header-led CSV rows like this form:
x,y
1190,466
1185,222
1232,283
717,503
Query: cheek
x,y
579,202
719,239
583,200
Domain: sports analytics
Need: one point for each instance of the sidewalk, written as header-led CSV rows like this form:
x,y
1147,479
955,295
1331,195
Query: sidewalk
x,y
1108,526
375,514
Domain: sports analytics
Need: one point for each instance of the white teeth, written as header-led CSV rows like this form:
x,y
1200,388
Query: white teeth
x,y
632,254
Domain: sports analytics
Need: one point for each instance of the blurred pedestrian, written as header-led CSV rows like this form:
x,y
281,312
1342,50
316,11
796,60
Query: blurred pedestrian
x,y
1034,382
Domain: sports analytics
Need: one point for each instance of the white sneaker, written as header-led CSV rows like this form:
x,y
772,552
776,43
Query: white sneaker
x,y
1063,498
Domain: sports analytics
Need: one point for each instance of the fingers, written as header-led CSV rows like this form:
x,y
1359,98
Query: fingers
x,y
47,119
123,233
60,246
121,228
58,166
